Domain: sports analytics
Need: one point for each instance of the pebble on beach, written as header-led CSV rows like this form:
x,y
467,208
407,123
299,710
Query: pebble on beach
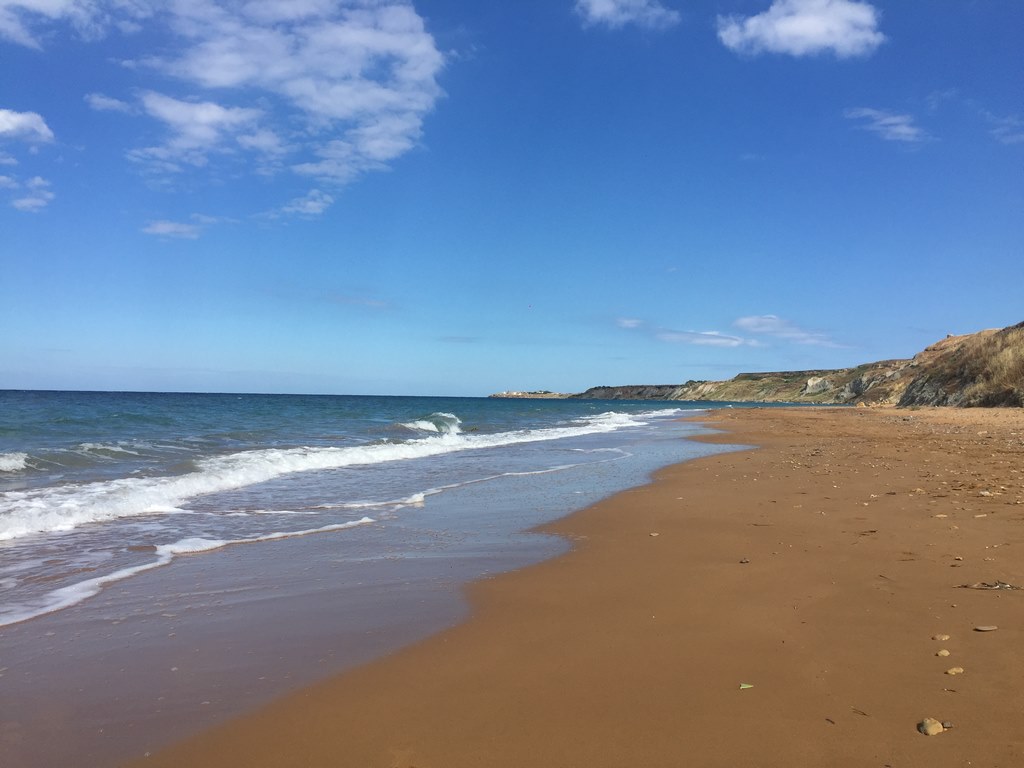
x,y
942,652
955,671
940,637
930,726
986,628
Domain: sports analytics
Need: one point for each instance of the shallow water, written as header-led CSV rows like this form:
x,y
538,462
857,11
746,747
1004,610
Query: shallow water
x,y
234,548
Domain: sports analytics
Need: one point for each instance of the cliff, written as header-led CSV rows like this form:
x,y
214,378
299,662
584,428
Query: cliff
x,y
978,369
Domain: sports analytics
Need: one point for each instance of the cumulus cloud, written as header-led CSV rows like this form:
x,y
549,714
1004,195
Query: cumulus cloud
x,y
629,322
329,89
172,229
776,327
889,125
805,27
36,195
618,13
27,126
350,81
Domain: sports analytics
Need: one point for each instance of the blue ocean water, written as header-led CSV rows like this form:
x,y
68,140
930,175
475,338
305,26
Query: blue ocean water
x,y
96,488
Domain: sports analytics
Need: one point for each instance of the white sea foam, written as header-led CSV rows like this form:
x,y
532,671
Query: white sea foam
x,y
73,594
103,449
13,462
442,423
63,508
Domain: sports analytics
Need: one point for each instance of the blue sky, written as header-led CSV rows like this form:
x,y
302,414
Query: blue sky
x,y
455,198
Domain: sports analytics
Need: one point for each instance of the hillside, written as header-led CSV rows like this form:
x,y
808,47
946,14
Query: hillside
x,y
978,369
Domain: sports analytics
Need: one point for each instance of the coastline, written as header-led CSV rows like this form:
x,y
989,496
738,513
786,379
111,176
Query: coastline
x,y
856,527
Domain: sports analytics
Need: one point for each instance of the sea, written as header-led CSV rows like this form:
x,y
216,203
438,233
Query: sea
x,y
168,560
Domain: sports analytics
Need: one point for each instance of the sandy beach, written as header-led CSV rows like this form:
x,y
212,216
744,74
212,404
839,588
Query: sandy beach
x,y
781,606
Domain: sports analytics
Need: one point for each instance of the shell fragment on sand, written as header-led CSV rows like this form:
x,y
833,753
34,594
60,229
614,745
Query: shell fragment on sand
x,y
930,726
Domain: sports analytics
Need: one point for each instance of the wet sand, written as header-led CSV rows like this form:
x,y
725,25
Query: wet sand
x,y
816,570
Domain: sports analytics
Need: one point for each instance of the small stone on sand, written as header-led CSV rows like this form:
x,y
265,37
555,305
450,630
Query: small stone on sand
x,y
930,726
943,652
986,628
955,671
940,637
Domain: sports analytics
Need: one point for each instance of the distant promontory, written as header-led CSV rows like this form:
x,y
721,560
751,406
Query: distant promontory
x,y
977,369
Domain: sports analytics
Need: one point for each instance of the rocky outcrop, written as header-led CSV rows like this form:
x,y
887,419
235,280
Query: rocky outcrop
x,y
816,385
985,369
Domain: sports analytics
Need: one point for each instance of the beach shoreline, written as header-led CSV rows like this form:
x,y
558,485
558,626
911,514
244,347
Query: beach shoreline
x,y
817,570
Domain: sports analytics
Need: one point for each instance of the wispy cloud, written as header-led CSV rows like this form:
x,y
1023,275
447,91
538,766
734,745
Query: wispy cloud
x,y
702,338
195,130
173,229
101,103
25,126
35,195
1006,130
804,27
673,336
313,203
21,20
888,125
778,328
618,13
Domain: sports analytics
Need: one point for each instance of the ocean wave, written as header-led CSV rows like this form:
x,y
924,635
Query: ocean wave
x,y
63,508
441,423
65,597
13,462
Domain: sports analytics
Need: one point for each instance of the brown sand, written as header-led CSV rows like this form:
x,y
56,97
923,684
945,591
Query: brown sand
x,y
817,570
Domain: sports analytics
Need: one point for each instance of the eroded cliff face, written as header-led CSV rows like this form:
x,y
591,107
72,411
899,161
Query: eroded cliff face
x,y
979,369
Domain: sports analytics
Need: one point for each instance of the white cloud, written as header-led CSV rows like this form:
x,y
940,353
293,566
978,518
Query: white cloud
x,y
698,338
347,83
803,27
196,129
17,16
101,103
324,88
775,326
6,159
1006,130
173,229
889,125
37,196
312,203
21,20
701,338
28,126
618,13
6,182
